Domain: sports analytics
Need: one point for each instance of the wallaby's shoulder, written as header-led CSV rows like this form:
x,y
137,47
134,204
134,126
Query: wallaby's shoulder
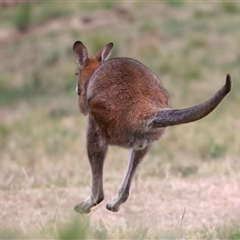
x,y
124,70
124,63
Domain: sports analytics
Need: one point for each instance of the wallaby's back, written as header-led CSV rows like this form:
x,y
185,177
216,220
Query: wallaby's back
x,y
123,95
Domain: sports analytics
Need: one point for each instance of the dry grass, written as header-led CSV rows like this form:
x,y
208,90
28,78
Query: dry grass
x,y
210,203
187,187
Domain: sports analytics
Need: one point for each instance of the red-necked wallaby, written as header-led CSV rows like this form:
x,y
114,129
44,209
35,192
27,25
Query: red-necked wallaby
x,y
127,106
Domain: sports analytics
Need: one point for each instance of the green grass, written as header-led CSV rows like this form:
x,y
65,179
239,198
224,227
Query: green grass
x,y
43,160
80,228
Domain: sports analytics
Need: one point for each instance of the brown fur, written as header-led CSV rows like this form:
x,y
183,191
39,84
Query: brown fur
x,y
127,106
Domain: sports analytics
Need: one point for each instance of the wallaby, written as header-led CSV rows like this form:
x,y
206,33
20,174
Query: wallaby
x,y
127,106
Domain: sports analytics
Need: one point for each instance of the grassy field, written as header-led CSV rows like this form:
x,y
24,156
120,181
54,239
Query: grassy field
x,y
189,184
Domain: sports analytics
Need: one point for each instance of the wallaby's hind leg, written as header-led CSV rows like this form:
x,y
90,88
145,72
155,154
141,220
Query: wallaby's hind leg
x,y
97,149
123,192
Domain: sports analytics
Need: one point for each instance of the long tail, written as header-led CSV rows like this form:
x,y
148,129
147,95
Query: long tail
x,y
168,117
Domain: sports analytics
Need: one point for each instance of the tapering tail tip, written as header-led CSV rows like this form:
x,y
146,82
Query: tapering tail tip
x,y
228,84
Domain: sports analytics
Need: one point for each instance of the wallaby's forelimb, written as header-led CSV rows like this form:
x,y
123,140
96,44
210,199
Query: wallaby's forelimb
x,y
97,149
168,117
123,192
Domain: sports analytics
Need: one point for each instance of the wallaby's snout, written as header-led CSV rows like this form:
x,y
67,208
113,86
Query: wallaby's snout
x,y
127,106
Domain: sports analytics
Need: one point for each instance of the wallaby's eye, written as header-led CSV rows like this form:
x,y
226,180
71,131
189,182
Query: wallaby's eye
x,y
76,73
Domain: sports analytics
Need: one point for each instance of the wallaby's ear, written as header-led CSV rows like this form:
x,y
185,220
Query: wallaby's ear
x,y
104,53
81,52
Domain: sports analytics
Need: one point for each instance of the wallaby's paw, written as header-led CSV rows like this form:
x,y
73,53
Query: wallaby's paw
x,y
113,206
83,208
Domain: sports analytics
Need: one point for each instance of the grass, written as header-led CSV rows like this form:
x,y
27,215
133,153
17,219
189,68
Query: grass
x,y
79,228
43,160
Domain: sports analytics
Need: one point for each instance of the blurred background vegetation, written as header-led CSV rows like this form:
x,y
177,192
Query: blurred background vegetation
x,y
190,46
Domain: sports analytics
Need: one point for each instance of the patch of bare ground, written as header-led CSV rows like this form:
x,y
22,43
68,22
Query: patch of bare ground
x,y
154,204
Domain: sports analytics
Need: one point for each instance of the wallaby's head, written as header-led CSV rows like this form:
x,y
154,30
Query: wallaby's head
x,y
86,67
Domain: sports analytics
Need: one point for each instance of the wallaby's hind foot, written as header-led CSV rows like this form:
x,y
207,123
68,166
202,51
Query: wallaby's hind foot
x,y
86,205
83,208
113,206
114,203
